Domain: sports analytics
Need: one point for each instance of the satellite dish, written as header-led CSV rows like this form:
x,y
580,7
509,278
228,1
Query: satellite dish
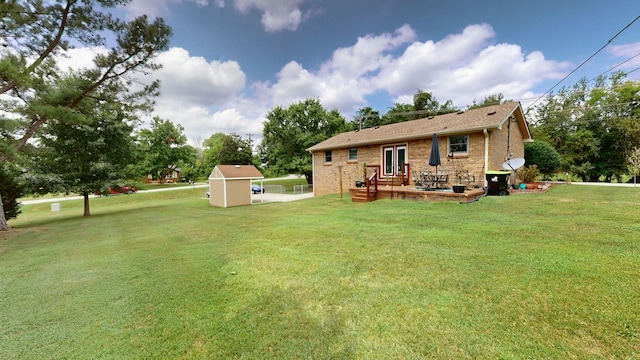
x,y
513,164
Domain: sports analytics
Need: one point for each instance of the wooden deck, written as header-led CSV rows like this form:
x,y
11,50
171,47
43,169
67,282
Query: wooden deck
x,y
412,193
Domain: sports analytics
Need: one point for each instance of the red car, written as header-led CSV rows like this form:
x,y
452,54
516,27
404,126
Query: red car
x,y
117,190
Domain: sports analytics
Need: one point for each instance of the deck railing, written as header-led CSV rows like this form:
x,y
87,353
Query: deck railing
x,y
372,183
405,170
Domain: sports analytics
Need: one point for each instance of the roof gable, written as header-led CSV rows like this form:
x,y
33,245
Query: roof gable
x,y
489,117
236,172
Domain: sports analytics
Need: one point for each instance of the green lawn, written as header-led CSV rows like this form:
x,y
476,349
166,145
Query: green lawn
x,y
166,276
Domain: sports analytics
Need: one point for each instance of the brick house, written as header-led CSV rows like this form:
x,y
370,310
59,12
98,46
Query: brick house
x,y
476,140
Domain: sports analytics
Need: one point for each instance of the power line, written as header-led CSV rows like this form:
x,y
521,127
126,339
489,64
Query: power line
x,y
585,61
620,64
571,109
630,71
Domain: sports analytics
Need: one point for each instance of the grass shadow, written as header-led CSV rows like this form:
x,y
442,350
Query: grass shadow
x,y
283,323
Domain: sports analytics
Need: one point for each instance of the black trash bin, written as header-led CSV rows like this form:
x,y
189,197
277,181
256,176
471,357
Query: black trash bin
x,y
498,182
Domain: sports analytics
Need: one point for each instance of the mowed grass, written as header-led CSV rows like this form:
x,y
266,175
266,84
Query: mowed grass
x,y
164,275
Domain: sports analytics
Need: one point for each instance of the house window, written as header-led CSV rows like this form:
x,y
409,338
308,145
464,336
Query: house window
x,y
327,157
353,154
459,144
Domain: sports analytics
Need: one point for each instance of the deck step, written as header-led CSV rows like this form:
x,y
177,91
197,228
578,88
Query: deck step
x,y
359,195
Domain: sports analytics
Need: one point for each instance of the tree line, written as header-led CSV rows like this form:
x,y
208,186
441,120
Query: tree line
x,y
594,127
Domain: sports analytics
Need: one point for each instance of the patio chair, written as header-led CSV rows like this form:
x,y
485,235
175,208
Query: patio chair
x,y
441,179
417,179
464,177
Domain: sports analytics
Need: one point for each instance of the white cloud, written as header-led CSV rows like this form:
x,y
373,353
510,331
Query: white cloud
x,y
185,79
424,63
277,15
344,80
200,95
193,80
79,58
294,84
203,96
202,122
629,55
461,67
368,55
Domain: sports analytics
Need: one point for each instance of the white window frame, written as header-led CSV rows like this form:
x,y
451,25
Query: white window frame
x,y
450,151
328,154
349,154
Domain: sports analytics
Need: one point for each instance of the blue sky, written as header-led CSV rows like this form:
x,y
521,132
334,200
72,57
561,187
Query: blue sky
x,y
231,61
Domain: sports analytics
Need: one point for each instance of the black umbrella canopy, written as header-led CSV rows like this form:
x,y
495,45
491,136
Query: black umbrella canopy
x,y
434,158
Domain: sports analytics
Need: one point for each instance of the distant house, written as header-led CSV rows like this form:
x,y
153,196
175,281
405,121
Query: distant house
x,y
230,185
172,176
476,140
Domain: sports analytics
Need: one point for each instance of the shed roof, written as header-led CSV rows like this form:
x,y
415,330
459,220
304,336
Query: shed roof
x,y
489,117
236,172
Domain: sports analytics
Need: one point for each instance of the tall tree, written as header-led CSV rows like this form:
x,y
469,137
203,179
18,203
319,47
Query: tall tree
x,y
235,151
495,99
401,113
366,118
165,148
85,155
425,101
424,105
213,145
33,32
288,133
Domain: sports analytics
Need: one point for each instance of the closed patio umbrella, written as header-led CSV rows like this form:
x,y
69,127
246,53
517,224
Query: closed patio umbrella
x,y
434,158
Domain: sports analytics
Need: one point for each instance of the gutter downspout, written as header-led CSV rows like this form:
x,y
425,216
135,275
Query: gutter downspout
x,y
486,154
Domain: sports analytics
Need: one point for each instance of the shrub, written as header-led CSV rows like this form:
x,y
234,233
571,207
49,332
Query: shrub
x,y
543,155
528,173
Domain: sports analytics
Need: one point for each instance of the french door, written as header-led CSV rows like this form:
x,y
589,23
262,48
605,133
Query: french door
x,y
394,157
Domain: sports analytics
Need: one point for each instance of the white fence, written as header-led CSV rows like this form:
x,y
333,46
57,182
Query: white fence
x,y
274,189
281,189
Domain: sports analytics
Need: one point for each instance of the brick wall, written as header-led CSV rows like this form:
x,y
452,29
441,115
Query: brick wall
x,y
327,176
498,145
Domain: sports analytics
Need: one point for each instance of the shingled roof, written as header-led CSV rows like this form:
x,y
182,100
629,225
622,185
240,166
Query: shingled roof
x,y
489,117
236,172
